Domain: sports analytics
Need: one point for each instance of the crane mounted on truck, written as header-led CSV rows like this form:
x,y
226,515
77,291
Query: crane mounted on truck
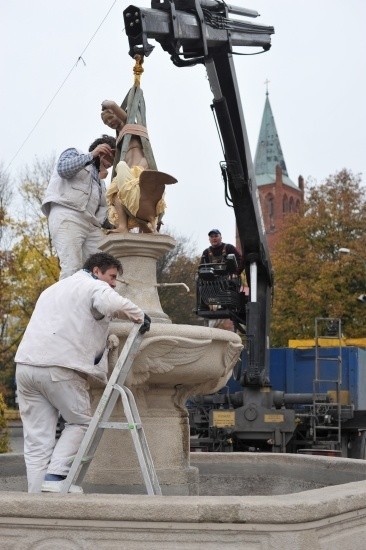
x,y
204,32
200,31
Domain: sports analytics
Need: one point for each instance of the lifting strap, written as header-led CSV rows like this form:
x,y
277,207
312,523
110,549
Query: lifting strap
x,y
134,105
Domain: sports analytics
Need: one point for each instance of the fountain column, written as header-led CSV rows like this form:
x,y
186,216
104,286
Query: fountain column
x,y
174,362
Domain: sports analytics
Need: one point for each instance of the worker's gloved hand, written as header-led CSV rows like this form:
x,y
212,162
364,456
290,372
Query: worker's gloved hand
x,y
108,225
145,327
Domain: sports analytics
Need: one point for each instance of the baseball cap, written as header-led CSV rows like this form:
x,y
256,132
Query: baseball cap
x,y
214,232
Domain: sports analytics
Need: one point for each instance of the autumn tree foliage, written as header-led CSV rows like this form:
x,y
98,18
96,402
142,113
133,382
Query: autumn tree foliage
x,y
313,278
6,290
28,263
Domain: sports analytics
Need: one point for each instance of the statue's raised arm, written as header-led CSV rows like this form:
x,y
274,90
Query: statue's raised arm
x,y
115,117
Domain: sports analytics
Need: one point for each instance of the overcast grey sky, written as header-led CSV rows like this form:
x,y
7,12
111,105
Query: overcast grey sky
x,y
316,68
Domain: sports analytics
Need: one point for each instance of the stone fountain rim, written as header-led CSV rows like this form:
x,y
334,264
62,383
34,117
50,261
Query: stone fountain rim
x,y
119,327
282,459
307,506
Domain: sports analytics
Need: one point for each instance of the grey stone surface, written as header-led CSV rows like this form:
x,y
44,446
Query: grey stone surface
x,y
329,519
263,516
269,474
174,361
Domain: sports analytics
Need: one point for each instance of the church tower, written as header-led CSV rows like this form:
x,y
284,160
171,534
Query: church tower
x,y
279,195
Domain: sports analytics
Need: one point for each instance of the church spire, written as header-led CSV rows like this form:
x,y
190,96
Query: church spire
x,y
269,153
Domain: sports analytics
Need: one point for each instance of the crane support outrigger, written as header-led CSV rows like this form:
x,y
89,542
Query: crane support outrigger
x,y
201,31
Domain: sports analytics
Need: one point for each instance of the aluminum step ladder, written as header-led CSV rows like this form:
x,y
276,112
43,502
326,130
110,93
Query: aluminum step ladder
x,y
100,422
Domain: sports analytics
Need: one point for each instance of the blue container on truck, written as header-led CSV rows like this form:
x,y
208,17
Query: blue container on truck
x,y
316,422
292,371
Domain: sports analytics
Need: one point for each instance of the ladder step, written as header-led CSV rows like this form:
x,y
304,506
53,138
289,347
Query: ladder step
x,y
329,445
119,426
328,358
84,460
326,337
330,428
329,404
326,441
324,380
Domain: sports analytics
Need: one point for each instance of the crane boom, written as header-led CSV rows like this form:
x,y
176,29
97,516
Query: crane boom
x,y
201,31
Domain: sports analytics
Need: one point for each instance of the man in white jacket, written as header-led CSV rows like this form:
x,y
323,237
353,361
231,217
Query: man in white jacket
x,y
75,203
64,343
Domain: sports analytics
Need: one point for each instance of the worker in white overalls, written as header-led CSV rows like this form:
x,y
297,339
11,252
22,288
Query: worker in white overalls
x,y
75,203
66,342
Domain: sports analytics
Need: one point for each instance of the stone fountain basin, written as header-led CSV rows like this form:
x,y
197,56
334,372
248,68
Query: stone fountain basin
x,y
232,474
248,500
187,355
173,363
245,474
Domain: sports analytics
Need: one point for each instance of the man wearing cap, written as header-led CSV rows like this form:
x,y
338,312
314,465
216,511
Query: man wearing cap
x,y
218,251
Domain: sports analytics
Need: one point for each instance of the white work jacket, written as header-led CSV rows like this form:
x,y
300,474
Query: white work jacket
x,y
69,325
74,193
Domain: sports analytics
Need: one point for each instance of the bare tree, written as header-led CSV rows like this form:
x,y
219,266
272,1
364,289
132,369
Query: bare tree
x,y
6,195
33,183
179,266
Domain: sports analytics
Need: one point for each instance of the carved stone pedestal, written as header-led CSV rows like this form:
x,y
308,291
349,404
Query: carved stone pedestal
x,y
174,362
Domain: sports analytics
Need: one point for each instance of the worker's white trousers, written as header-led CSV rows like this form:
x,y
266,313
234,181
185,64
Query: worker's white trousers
x,y
74,237
43,393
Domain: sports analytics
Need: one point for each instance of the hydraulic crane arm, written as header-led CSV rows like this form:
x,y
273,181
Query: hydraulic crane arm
x,y
200,31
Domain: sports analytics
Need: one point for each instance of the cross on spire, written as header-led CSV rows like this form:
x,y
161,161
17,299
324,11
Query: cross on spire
x,y
266,82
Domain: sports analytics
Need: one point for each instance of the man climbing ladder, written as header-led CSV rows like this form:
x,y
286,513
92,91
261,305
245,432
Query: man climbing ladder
x,y
64,343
